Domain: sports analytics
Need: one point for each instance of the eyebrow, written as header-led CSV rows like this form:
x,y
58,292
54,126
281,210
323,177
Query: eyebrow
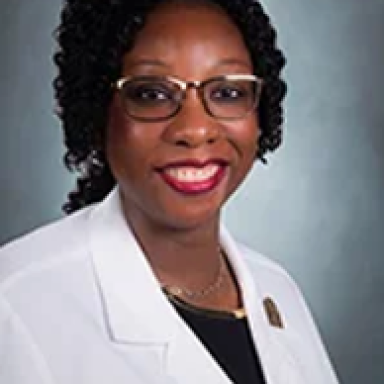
x,y
234,61
159,63
146,62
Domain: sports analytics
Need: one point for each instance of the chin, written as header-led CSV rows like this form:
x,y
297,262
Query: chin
x,y
192,217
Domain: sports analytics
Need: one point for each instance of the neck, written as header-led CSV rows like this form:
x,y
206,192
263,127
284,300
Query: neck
x,y
188,258
187,255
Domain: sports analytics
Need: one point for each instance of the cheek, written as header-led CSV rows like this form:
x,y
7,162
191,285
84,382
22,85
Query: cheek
x,y
244,136
130,145
251,138
122,146
116,139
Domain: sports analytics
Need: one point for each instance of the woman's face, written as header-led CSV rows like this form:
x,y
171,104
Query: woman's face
x,y
177,173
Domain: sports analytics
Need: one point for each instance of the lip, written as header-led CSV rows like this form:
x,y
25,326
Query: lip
x,y
194,187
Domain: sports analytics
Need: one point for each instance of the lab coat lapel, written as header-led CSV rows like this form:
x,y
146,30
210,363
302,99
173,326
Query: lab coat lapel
x,y
272,343
129,291
137,313
189,361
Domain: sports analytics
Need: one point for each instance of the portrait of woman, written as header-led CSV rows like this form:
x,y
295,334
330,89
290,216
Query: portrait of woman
x,y
165,108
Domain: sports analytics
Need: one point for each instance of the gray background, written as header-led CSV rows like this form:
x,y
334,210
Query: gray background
x,y
317,208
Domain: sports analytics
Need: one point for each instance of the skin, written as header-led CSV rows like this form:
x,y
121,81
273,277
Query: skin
x,y
179,233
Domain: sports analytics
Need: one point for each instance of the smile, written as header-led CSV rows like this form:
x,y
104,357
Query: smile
x,y
191,180
191,174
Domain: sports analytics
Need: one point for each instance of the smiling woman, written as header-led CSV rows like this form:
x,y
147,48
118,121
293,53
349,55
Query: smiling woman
x,y
175,152
165,106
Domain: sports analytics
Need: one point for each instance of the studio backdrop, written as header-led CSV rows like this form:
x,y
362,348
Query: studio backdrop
x,y
317,207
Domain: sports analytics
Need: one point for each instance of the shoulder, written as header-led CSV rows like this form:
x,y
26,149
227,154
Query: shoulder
x,y
44,246
264,268
274,282
268,276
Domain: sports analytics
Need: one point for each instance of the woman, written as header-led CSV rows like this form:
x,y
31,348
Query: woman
x,y
165,107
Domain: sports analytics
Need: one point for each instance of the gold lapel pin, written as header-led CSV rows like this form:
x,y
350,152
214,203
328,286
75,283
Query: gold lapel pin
x,y
272,313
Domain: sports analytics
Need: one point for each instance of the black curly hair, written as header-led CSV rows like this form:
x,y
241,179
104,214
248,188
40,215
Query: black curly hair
x,y
92,38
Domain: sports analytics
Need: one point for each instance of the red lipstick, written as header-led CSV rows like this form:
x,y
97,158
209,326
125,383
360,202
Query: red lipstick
x,y
192,177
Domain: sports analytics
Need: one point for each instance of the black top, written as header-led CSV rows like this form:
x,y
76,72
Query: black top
x,y
228,339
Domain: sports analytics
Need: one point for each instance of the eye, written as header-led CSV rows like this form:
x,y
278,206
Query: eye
x,y
148,93
227,92
230,92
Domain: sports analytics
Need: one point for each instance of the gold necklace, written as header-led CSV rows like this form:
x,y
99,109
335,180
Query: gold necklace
x,y
203,292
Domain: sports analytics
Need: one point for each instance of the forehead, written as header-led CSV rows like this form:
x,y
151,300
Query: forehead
x,y
185,37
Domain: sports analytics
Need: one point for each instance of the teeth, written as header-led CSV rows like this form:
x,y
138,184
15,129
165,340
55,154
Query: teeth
x,y
192,174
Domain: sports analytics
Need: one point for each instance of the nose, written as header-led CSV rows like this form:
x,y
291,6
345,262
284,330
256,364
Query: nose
x,y
192,126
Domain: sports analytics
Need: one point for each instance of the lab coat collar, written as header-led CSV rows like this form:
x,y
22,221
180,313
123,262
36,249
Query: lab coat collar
x,y
131,295
137,312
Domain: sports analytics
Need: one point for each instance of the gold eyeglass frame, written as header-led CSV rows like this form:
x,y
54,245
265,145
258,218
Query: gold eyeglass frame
x,y
199,86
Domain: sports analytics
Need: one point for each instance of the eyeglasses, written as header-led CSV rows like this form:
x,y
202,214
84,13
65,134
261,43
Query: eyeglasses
x,y
157,98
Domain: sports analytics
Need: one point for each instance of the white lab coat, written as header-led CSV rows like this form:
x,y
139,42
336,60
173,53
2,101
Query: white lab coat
x,y
79,304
